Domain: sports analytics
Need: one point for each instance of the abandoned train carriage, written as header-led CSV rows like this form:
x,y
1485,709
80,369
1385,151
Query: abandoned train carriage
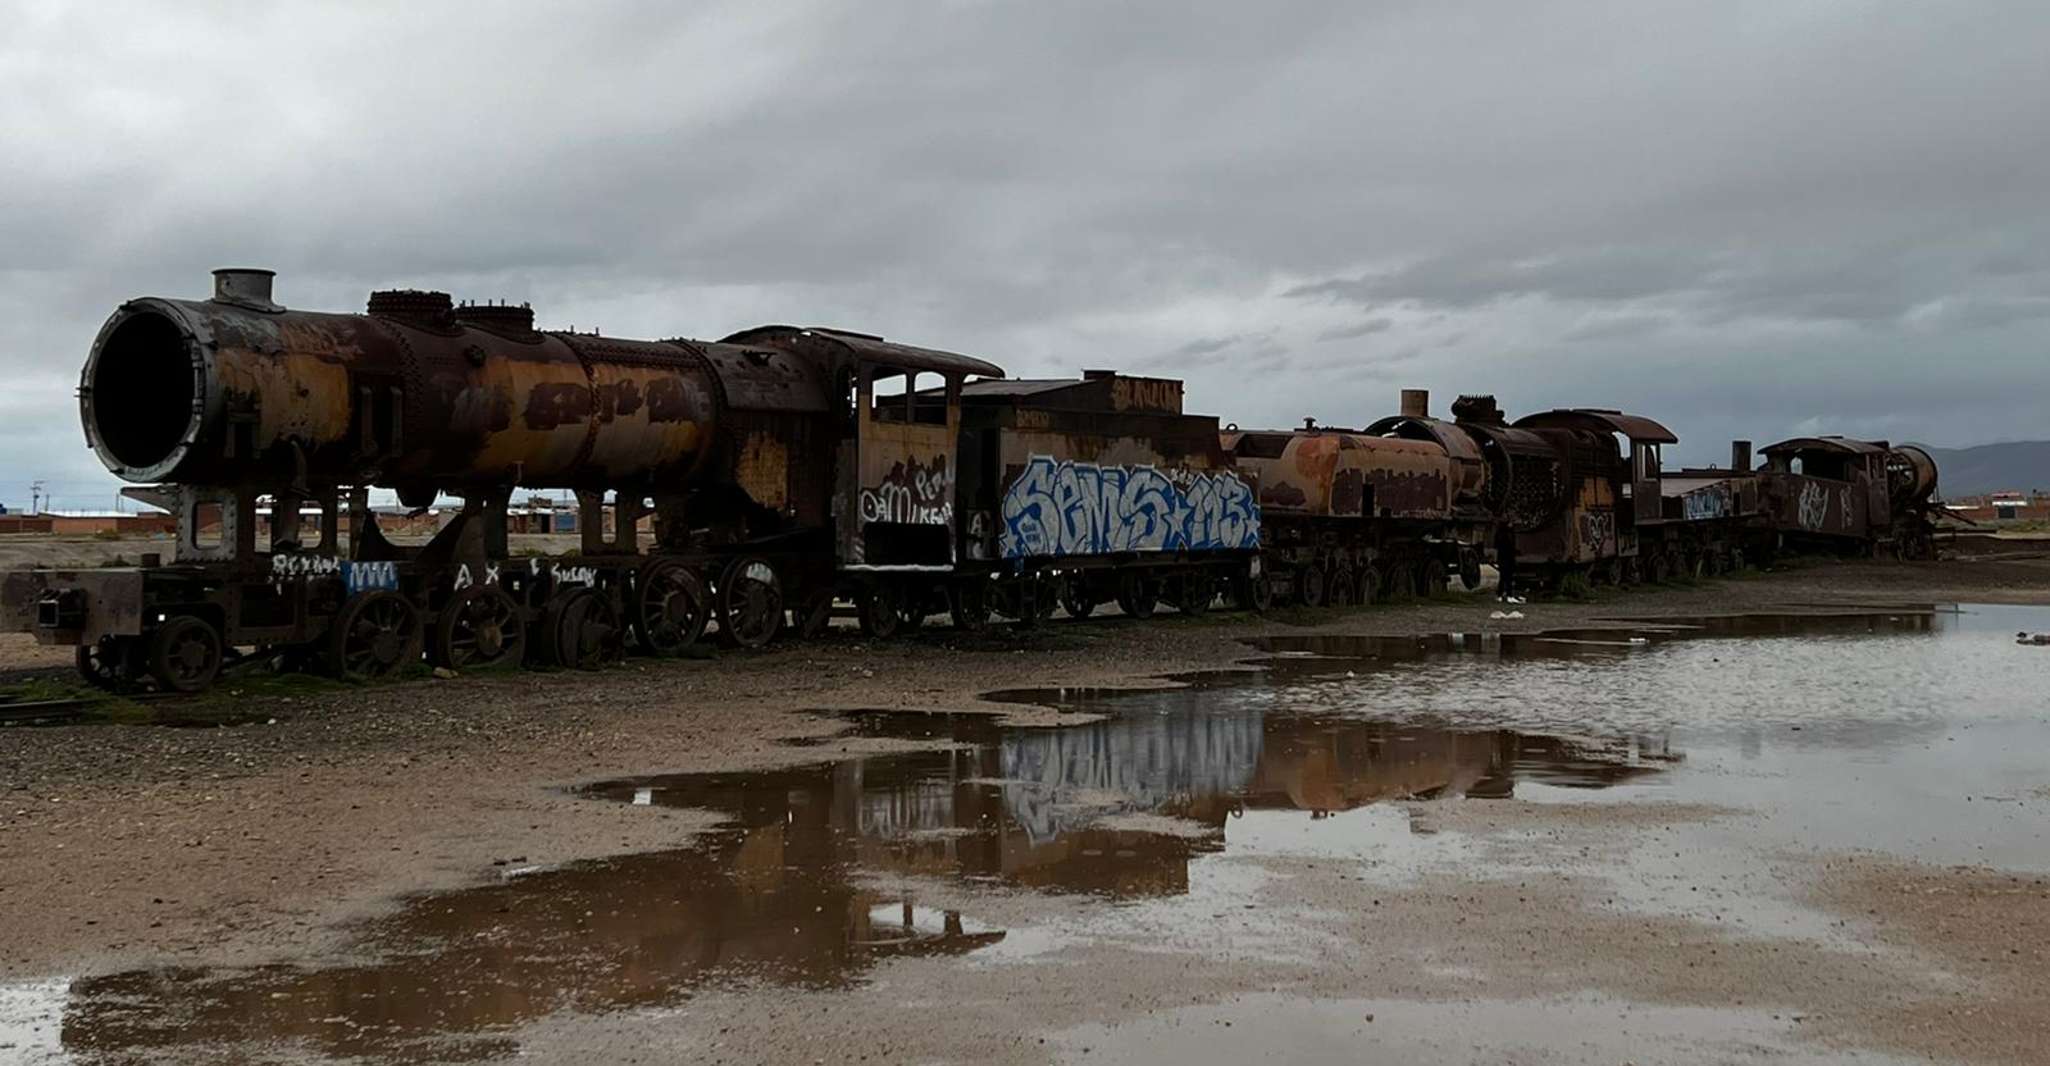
x,y
1100,488
1354,516
1849,496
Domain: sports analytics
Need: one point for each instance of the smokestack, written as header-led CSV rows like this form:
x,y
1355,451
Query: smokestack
x,y
245,286
1740,455
1416,403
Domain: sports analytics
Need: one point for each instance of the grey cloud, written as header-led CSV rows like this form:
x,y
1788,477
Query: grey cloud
x,y
1357,329
1057,184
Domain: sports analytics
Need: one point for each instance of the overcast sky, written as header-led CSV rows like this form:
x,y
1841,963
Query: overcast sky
x,y
1743,219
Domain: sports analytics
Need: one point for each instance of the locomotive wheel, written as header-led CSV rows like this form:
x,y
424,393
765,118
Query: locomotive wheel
x,y
1431,579
1253,590
1195,592
108,663
750,603
480,627
670,608
968,603
816,616
1029,600
1047,593
184,654
1076,597
1401,583
1339,593
1656,570
375,635
1138,594
1310,586
582,629
880,617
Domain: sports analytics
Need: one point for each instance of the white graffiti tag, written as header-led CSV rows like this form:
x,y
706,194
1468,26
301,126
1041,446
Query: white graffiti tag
x,y
1066,508
465,580
573,575
303,566
914,494
1813,509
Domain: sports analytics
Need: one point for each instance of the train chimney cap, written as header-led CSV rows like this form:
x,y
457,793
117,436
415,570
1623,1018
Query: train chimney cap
x,y
248,287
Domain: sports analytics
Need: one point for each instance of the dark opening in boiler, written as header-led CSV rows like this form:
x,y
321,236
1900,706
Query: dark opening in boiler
x,y
142,391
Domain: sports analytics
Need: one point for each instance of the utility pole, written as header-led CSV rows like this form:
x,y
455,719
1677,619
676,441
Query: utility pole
x,y
35,496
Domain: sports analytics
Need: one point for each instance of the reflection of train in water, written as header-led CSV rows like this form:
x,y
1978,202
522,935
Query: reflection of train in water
x,y
784,892
783,471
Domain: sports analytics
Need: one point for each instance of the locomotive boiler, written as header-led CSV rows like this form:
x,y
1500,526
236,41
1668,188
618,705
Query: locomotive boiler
x,y
233,408
1354,516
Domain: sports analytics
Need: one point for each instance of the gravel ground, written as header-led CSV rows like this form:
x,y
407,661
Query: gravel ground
x,y
129,845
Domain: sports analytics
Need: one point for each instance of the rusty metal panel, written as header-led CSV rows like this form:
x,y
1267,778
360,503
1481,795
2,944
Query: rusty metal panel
x,y
1410,479
762,468
112,602
1590,526
1815,506
763,378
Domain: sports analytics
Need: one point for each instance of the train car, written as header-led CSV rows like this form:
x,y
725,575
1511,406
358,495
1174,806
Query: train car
x,y
1846,496
1099,489
1573,489
1357,516
1713,520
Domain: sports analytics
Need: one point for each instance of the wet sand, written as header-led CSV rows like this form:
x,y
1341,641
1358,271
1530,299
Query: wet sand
x,y
1521,931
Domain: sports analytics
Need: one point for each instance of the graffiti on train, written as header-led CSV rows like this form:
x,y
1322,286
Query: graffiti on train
x,y
912,493
1813,506
1712,501
1067,508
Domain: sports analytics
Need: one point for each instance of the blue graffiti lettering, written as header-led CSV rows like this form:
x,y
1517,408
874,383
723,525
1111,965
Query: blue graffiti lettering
x,y
363,577
1066,508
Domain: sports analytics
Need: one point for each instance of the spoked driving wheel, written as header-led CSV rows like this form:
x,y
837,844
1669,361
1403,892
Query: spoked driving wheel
x,y
671,607
879,613
185,654
968,602
1310,586
1138,594
375,635
750,601
108,663
480,627
582,629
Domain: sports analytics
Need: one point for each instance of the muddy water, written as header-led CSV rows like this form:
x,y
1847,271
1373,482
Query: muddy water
x,y
1915,732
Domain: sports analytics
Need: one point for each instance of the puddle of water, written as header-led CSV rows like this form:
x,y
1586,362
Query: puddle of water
x,y
784,892
1867,731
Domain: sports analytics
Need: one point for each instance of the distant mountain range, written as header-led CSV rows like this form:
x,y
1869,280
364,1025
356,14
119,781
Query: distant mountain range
x,y
2021,466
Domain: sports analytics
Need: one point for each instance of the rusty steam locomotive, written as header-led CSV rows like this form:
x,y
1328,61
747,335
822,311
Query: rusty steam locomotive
x,y
745,487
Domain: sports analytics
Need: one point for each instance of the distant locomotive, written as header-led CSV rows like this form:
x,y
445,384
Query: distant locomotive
x,y
789,470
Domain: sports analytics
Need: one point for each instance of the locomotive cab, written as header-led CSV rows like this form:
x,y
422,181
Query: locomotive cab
x,y
897,454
